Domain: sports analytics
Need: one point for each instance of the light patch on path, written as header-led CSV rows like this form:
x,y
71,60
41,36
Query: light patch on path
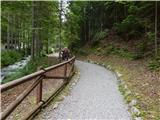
x,y
96,96
56,55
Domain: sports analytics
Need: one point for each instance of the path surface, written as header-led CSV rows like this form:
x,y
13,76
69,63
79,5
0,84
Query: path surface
x,y
95,96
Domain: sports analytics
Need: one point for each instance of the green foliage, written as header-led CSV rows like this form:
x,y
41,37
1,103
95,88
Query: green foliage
x,y
99,36
118,51
140,50
109,49
151,36
17,22
74,46
154,64
124,53
130,26
9,57
82,52
133,9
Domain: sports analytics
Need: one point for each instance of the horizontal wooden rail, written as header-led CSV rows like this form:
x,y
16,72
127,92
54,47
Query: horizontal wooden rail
x,y
59,65
55,77
38,76
19,81
13,105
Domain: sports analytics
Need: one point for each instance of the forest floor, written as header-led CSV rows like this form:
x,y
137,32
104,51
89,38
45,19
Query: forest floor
x,y
143,83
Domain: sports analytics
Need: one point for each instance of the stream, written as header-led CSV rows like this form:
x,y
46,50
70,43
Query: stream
x,y
14,67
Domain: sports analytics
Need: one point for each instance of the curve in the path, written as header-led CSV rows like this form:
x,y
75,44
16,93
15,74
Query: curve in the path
x,y
96,96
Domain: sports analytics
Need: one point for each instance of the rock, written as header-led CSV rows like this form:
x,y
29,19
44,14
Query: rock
x,y
55,105
73,84
134,110
118,74
128,92
133,102
62,98
138,118
125,87
109,67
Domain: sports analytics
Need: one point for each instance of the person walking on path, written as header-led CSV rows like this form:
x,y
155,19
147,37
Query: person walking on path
x,y
65,53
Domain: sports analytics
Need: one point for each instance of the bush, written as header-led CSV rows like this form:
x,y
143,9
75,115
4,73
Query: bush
x,y
154,64
10,57
82,52
74,45
99,36
151,36
140,50
119,51
130,26
109,50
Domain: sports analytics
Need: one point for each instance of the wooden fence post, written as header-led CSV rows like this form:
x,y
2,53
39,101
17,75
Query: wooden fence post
x,y
65,70
39,89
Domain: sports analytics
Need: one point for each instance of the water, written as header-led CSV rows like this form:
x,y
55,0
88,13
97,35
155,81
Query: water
x,y
13,68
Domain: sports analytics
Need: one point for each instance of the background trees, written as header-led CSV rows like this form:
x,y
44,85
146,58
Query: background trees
x,y
34,27
29,26
131,21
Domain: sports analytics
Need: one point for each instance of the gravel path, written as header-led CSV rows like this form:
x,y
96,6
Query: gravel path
x,y
95,96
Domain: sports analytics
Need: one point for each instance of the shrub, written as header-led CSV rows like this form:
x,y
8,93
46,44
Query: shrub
x,y
10,57
133,9
151,36
119,51
130,26
140,50
109,50
99,36
82,52
154,64
74,45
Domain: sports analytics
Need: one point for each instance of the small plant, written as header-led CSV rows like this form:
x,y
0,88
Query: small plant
x,y
154,64
109,50
82,52
150,36
119,51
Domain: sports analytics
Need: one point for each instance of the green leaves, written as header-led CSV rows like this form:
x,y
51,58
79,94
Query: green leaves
x,y
131,26
133,9
10,57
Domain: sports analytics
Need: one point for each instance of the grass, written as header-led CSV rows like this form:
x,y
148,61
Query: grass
x,y
30,68
147,105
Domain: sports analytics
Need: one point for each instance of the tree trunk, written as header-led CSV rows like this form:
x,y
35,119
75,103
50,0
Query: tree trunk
x,y
156,49
8,33
19,36
12,32
60,20
33,31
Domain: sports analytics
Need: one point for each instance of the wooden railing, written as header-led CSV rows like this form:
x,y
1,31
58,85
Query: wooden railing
x,y
38,77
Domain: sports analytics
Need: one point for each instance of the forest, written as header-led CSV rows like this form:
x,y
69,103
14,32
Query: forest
x,y
31,30
123,34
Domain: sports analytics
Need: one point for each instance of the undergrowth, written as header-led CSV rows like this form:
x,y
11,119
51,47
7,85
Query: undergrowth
x,y
9,57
